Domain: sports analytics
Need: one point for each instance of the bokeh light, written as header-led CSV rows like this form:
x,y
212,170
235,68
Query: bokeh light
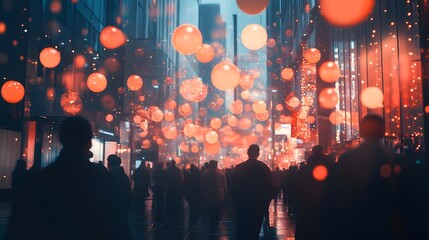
x,y
345,13
96,82
134,82
112,37
12,91
253,6
372,97
328,98
329,72
186,39
225,76
254,37
50,57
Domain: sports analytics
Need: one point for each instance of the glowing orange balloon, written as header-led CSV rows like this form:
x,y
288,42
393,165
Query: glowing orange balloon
x,y
195,148
187,39
329,72
245,123
212,149
246,81
2,27
287,74
137,119
112,37
71,103
312,55
232,121
271,43
109,117
253,6
155,114
96,82
337,117
79,61
225,76
50,57
169,116
294,102
211,137
183,146
311,119
170,132
205,53
215,123
134,82
279,107
263,116
185,109
320,172
12,91
254,37
190,130
372,97
146,144
259,106
245,94
346,13
328,98
159,141
236,107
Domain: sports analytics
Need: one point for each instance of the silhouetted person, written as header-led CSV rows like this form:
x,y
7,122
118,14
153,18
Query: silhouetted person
x,y
252,192
192,191
213,189
120,185
312,196
19,178
71,198
291,189
159,186
362,192
141,178
174,193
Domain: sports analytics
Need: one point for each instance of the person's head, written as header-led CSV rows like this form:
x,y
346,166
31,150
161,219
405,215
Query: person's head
x,y
213,164
372,127
76,134
193,167
253,151
172,163
317,150
21,164
113,161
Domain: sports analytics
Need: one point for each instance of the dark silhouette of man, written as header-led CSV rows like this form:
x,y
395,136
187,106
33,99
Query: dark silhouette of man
x,y
69,199
192,192
174,192
142,180
362,199
213,190
120,185
159,186
252,192
312,194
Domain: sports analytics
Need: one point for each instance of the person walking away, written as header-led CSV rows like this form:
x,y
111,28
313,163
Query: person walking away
x,y
252,192
214,190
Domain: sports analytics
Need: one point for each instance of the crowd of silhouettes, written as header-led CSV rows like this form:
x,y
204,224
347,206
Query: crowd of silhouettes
x,y
367,193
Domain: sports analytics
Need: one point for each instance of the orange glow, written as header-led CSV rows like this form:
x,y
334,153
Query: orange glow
x,y
155,114
2,27
329,72
232,121
225,76
245,123
50,93
385,171
287,74
109,118
79,61
254,37
263,116
205,53
146,144
187,39
215,123
96,82
134,82
159,141
279,107
212,149
169,116
337,117
50,57
312,55
346,13
56,6
211,137
427,109
170,132
112,37
320,173
193,90
185,109
259,106
12,91
271,42
311,119
328,98
195,148
372,97
253,6
137,119
246,81
236,107
189,130
71,103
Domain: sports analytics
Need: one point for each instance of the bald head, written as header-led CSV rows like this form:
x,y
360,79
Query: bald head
x,y
253,151
372,127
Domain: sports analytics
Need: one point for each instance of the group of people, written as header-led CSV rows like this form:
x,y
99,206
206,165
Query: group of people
x,y
366,194
74,198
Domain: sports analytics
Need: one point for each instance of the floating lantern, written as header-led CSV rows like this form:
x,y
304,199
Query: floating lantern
x,y
287,74
329,72
344,13
183,146
134,82
169,116
193,90
12,91
254,37
195,148
170,132
232,121
225,76
246,81
155,114
215,123
212,149
189,130
245,123
205,53
71,103
259,106
263,116
337,117
109,118
50,57
112,37
96,82
320,173
328,98
79,61
293,102
253,6
312,55
187,39
236,107
372,97
185,109
211,137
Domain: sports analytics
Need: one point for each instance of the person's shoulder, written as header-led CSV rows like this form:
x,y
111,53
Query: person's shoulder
x,y
263,165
